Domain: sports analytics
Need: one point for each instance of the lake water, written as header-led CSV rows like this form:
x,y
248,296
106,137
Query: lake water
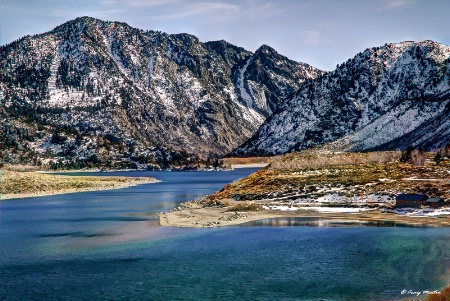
x,y
107,245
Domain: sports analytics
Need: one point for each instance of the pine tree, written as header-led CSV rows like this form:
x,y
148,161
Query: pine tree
x,y
406,154
438,158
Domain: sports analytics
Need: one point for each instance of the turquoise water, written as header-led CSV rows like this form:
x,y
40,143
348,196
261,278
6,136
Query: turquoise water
x,y
108,246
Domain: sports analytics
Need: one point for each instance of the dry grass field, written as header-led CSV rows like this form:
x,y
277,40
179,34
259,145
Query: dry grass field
x,y
351,174
246,161
18,184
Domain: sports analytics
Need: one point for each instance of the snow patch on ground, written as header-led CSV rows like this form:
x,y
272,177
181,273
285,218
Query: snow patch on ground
x,y
330,203
319,209
426,212
336,209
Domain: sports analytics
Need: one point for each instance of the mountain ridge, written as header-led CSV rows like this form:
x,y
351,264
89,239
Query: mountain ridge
x,y
383,98
146,89
106,93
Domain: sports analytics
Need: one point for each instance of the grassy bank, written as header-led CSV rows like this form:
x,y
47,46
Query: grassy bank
x,y
20,184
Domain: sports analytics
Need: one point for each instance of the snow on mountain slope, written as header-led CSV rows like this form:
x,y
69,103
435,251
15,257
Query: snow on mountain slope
x,y
424,123
384,98
145,88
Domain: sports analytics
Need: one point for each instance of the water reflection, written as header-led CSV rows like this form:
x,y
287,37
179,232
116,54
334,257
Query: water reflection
x,y
321,222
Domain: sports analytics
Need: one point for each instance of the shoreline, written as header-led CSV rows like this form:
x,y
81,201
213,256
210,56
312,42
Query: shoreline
x,y
177,169
19,185
193,215
7,197
112,184
347,186
251,165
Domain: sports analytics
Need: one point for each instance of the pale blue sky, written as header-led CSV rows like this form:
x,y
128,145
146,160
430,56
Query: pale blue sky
x,y
322,33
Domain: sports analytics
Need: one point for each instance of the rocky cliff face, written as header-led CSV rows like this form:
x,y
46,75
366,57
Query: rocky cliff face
x,y
97,85
384,98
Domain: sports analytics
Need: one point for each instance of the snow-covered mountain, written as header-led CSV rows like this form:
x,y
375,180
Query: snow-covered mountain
x,y
92,82
384,98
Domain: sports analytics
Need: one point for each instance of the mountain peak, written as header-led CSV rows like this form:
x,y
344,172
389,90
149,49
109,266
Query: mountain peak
x,y
222,45
79,21
266,50
405,45
84,23
385,97
144,89
187,39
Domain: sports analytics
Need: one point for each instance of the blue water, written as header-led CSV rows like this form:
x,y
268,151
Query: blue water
x,y
108,246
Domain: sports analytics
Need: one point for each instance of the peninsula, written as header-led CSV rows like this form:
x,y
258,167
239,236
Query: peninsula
x,y
24,184
345,186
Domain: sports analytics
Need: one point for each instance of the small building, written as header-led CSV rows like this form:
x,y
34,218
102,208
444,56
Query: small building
x,y
410,200
435,202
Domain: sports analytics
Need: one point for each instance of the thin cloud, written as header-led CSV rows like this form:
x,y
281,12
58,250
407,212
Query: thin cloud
x,y
395,4
315,37
61,13
311,37
108,2
202,8
259,11
217,12
148,3
138,3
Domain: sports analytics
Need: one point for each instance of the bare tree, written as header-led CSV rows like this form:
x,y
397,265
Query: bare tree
x,y
418,156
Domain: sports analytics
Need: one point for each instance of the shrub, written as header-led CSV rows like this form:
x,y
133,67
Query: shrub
x,y
214,203
443,295
246,207
433,297
411,155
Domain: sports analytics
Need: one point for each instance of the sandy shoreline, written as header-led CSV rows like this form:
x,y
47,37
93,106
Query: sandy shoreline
x,y
193,215
254,165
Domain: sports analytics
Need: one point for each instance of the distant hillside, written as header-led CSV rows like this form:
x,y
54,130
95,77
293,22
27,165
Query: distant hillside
x,y
384,98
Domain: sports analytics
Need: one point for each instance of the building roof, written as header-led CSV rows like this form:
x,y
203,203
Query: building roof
x,y
411,197
434,200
